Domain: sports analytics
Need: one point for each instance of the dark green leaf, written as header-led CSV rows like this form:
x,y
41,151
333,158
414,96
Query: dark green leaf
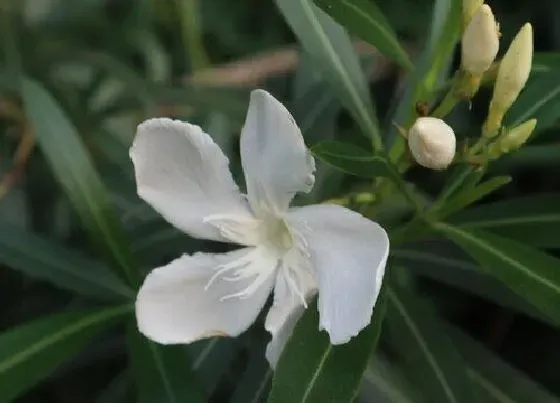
x,y
364,19
420,339
533,220
543,62
447,264
253,384
73,168
384,382
497,381
353,160
163,374
331,48
311,370
30,352
532,274
46,260
540,100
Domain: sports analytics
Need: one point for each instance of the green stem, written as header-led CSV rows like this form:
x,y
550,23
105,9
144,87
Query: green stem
x,y
191,34
447,105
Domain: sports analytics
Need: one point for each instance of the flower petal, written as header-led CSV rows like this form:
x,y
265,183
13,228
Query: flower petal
x,y
182,302
276,162
349,253
283,315
184,175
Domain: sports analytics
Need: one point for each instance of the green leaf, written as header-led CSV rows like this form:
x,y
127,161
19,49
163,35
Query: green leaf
x,y
364,19
540,100
30,352
447,264
163,374
72,167
384,382
311,370
533,220
532,274
253,384
330,47
472,195
420,339
544,62
496,381
353,160
43,259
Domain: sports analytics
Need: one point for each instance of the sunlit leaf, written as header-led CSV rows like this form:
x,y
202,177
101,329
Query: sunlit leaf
x,y
329,45
364,19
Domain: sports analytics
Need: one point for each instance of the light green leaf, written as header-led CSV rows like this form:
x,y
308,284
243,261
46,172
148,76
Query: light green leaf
x,y
311,370
532,274
72,167
364,19
432,362
42,259
497,381
471,195
539,100
30,352
532,220
329,45
163,374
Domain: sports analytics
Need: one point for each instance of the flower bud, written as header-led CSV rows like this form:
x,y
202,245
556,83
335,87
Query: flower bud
x,y
432,143
480,42
514,138
512,75
469,8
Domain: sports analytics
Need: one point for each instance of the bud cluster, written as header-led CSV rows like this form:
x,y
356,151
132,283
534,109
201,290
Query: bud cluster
x,y
431,141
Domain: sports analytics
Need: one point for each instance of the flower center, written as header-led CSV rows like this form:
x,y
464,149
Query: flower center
x,y
276,236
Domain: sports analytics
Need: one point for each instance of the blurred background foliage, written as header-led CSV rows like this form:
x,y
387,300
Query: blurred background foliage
x,y
77,76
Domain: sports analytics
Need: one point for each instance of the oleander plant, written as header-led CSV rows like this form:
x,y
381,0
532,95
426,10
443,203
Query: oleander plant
x,y
279,201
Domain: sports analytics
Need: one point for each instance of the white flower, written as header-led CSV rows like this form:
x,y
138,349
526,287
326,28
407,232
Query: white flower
x,y
294,252
432,142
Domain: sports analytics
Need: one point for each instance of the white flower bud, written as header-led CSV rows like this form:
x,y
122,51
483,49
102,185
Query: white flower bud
x,y
432,143
480,42
512,76
469,8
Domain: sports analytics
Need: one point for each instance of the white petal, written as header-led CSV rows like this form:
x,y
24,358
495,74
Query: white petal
x,y
176,305
284,313
349,253
184,175
276,162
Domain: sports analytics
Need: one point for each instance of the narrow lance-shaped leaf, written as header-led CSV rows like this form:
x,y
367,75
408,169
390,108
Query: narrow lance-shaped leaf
x,y
163,374
540,100
30,352
40,258
73,168
532,274
311,370
533,220
330,46
495,380
431,361
364,19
